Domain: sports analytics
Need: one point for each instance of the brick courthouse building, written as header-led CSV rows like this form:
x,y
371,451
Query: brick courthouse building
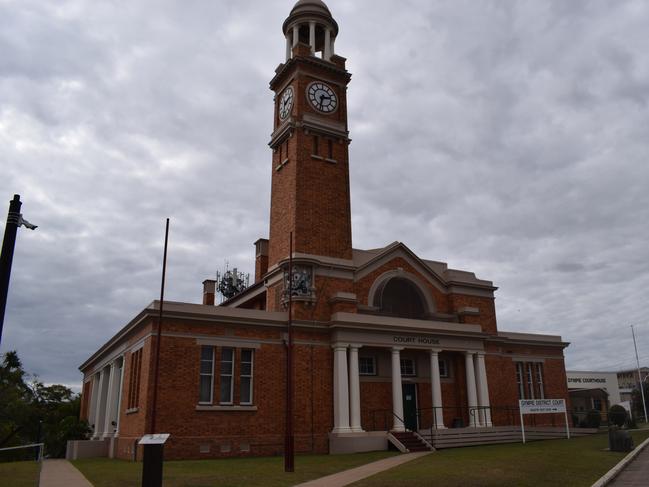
x,y
384,340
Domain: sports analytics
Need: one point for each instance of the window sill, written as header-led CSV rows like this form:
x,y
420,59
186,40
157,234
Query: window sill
x,y
281,165
202,407
332,161
315,156
132,410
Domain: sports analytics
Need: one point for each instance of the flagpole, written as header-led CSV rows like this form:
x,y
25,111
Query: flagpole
x,y
289,453
640,383
159,334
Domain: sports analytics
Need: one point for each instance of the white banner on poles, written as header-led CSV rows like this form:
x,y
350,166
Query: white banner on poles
x,y
542,406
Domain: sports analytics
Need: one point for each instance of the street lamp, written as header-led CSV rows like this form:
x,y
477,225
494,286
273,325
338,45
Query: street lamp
x,y
14,221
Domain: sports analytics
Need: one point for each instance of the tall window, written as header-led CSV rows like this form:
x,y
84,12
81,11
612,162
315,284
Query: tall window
x,y
530,380
134,382
366,366
227,366
316,144
408,367
206,375
519,380
330,148
539,380
246,377
443,368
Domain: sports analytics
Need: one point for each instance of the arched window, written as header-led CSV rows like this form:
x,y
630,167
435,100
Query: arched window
x,y
400,297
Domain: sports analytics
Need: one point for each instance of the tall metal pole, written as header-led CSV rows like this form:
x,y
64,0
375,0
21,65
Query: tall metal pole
x,y
289,453
6,258
159,334
641,384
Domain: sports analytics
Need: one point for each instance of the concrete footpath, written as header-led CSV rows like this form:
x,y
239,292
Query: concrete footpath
x,y
359,473
61,473
636,466
636,472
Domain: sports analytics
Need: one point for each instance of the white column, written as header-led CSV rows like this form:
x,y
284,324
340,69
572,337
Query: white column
x,y
436,389
354,390
111,394
341,390
327,43
288,47
483,389
101,403
94,394
397,391
296,35
312,37
472,400
333,43
120,394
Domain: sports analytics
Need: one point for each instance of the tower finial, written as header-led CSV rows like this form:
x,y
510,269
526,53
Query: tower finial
x,y
310,22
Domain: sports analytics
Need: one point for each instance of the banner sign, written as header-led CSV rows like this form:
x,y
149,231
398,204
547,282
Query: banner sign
x,y
542,406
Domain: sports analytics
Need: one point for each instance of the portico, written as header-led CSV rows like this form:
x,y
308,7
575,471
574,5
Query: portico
x,y
414,359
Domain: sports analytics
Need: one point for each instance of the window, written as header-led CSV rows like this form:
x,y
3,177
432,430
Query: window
x,y
316,144
280,153
227,366
519,380
330,148
246,377
539,380
443,368
530,381
134,382
597,404
206,375
408,367
366,366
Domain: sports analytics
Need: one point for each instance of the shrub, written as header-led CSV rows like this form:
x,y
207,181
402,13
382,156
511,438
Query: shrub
x,y
593,418
617,415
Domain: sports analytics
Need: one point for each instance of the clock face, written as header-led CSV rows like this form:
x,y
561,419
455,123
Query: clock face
x,y
286,103
322,97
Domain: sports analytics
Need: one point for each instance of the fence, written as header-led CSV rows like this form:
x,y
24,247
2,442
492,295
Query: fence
x,y
22,464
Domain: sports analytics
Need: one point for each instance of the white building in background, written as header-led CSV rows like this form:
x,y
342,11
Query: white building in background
x,y
608,381
628,380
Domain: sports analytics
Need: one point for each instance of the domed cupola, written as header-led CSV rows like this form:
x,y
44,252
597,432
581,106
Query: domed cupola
x,y
310,22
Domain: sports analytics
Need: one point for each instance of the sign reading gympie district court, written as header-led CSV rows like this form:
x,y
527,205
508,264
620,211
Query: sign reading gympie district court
x,y
542,406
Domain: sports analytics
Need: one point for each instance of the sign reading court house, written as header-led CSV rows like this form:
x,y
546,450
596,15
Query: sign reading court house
x,y
542,406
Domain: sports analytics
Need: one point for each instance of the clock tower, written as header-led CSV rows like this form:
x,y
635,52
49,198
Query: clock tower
x,y
310,171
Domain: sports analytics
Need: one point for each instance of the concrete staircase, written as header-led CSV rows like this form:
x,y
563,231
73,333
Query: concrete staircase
x,y
408,441
459,437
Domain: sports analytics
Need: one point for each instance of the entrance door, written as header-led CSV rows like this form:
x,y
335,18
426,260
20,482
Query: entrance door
x,y
410,406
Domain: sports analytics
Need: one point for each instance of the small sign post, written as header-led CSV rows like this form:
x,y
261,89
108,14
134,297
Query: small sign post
x,y
542,406
152,459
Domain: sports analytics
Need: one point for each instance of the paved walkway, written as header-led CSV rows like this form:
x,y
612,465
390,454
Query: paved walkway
x,y
61,473
636,473
359,473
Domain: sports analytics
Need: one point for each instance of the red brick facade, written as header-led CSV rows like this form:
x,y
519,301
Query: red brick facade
x,y
350,299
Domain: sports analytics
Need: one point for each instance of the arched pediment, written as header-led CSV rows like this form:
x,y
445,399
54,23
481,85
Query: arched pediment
x,y
400,293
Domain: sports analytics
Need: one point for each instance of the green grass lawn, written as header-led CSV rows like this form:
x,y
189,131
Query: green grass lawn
x,y
233,472
574,462
19,474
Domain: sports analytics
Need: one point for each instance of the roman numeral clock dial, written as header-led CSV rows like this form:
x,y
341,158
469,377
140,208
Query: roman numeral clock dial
x,y
322,97
286,103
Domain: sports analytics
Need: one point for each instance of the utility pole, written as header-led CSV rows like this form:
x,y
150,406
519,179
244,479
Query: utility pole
x,y
14,220
640,382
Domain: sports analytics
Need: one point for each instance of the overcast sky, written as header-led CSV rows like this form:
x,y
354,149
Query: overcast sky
x,y
508,138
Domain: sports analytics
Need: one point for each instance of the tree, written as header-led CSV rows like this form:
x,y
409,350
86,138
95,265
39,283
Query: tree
x,y
33,412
